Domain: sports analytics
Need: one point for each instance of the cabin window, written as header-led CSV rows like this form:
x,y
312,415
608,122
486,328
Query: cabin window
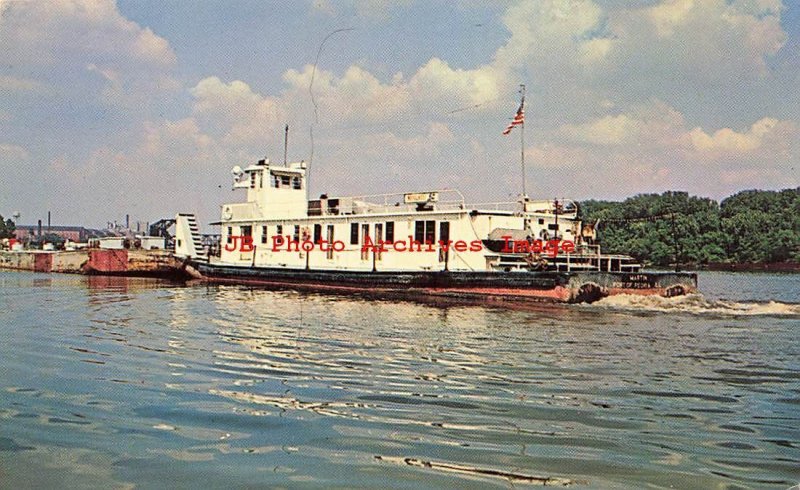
x,y
541,221
444,236
252,180
390,232
297,233
285,181
263,234
365,235
274,181
430,232
296,183
230,234
353,233
260,180
378,238
279,230
329,253
444,231
247,230
317,233
425,231
552,226
179,242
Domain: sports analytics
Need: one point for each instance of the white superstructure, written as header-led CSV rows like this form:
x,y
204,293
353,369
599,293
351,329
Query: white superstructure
x,y
417,231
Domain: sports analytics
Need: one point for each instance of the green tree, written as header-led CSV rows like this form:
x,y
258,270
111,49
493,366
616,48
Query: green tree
x,y
7,228
750,226
762,226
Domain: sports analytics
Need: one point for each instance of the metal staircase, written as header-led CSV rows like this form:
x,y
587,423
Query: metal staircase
x,y
188,242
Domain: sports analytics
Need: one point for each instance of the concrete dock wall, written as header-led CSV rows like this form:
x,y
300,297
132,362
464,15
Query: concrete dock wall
x,y
69,262
94,261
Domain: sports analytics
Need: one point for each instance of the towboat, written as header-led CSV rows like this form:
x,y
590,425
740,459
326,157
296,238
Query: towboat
x,y
428,244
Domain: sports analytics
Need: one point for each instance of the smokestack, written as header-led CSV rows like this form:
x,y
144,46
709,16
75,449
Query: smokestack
x,y
40,228
127,221
48,221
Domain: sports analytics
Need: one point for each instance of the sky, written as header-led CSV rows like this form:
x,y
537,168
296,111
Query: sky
x,y
143,107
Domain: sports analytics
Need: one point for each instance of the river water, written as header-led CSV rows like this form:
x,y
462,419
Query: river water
x,y
114,382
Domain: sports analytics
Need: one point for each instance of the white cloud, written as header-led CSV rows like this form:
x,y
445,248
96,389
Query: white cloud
x,y
9,153
650,148
44,32
709,40
233,111
726,141
668,15
654,124
609,130
356,94
437,81
553,33
51,39
147,46
20,84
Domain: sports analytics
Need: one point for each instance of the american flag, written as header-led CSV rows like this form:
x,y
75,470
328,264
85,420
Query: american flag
x,y
519,117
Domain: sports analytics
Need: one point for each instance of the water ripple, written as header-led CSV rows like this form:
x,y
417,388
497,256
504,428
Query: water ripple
x,y
282,388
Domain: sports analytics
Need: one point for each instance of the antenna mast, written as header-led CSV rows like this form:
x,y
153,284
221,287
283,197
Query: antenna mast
x,y
522,141
285,144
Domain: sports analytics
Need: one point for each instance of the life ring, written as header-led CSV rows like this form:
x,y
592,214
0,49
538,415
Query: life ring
x,y
227,213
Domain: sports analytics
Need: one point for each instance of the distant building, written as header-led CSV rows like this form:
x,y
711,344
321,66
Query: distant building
x,y
72,233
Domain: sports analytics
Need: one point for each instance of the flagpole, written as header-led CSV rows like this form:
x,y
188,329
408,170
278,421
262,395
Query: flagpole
x,y
522,144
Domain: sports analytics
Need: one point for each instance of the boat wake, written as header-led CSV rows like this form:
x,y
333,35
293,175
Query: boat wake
x,y
696,304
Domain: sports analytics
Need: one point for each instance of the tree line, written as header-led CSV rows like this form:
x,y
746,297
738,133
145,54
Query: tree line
x,y
751,226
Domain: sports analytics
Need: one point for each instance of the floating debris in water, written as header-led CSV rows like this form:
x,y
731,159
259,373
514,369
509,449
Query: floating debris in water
x,y
443,466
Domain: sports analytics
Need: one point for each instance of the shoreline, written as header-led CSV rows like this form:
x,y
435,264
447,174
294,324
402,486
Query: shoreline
x,y
776,267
